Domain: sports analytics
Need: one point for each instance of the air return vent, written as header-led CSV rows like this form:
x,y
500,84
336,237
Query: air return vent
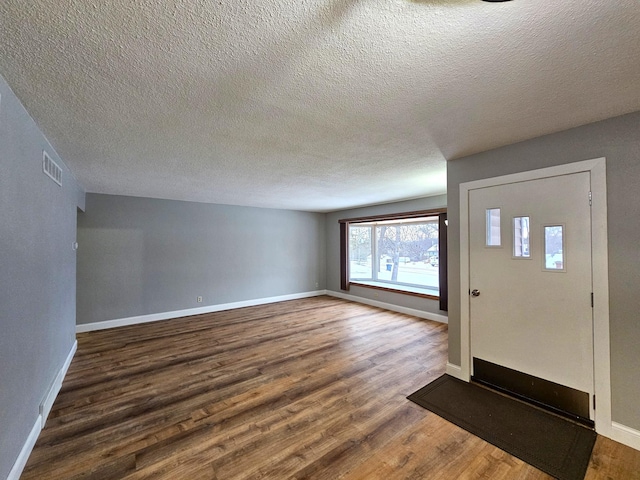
x,y
51,168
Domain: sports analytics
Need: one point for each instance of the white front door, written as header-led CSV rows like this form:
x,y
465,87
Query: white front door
x,y
530,270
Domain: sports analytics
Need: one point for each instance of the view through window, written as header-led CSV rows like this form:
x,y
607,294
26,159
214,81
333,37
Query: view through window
x,y
399,254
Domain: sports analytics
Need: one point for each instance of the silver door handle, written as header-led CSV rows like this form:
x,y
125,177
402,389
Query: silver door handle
x,y
475,292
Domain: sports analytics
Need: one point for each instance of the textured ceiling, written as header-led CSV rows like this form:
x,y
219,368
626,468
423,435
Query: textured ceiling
x,y
311,105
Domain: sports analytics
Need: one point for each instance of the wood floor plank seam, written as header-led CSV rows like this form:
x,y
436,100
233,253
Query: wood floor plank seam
x,y
305,389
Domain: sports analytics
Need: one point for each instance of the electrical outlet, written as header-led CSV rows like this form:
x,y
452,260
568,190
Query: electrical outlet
x,y
199,299
317,284
376,295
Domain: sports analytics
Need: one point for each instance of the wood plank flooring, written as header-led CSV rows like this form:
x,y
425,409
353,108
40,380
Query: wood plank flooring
x,y
311,388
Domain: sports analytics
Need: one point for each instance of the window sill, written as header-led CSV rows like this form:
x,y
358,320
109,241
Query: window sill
x,y
413,291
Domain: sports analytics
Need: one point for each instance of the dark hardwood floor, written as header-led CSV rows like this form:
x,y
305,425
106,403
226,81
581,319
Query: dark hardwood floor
x,y
310,388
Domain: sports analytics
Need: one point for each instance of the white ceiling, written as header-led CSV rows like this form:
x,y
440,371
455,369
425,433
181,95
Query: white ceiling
x,y
311,105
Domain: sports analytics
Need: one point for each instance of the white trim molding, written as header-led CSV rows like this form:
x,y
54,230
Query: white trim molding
x,y
602,368
154,317
625,435
389,306
41,419
454,370
54,389
26,450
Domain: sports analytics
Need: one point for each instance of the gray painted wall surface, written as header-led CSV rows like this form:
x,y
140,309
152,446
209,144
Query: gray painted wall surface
x,y
141,256
37,274
333,252
617,139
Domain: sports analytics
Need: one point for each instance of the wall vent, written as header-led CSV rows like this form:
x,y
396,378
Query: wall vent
x,y
51,168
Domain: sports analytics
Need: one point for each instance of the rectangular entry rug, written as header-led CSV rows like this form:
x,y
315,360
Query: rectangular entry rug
x,y
552,444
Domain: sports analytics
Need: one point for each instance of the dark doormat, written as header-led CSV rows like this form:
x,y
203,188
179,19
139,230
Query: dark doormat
x,y
552,444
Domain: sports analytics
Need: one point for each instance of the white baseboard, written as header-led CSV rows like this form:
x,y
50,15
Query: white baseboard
x,y
455,371
44,409
52,393
389,306
625,435
154,317
21,461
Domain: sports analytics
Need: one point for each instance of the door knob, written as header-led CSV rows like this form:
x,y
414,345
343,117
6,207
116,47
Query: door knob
x,y
475,292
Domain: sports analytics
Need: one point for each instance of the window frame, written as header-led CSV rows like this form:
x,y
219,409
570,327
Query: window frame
x,y
563,249
517,238
440,213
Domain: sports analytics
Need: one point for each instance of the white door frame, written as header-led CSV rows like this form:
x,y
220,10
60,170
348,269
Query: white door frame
x,y
599,254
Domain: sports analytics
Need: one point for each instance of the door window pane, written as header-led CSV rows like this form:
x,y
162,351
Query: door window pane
x,y
493,227
554,247
521,237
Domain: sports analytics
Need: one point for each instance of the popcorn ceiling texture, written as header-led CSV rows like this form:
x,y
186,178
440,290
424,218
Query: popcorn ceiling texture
x,y
310,105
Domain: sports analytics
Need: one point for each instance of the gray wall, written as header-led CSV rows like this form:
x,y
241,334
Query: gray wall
x,y
141,256
37,274
617,139
333,252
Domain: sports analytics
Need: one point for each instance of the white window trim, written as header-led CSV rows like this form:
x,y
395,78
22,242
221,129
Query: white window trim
x,y
398,286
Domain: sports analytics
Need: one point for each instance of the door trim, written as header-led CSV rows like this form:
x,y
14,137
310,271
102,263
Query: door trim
x,y
600,275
